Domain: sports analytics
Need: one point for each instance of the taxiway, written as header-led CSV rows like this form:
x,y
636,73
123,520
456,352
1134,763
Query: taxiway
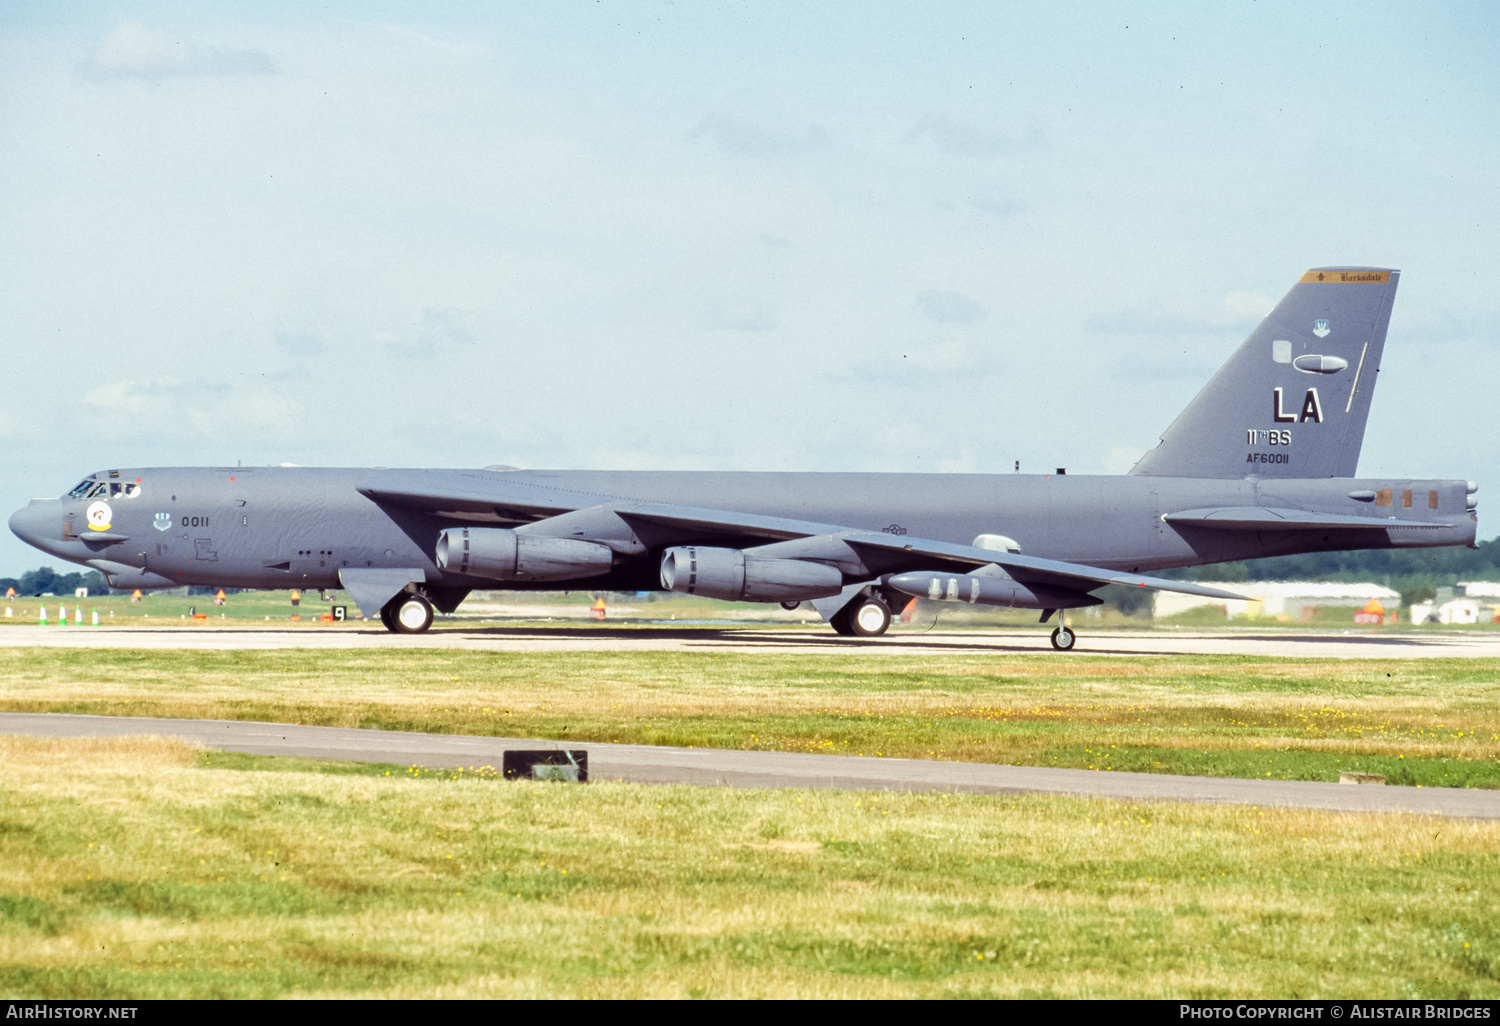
x,y
1302,644
647,764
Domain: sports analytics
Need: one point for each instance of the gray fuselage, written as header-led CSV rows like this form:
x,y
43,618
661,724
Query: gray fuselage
x,y
284,527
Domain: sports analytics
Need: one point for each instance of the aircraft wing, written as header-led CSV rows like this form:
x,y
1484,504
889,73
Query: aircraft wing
x,y
1261,518
485,497
888,553
1030,569
475,496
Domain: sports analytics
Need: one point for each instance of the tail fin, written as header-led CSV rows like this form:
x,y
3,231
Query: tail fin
x,y
1293,399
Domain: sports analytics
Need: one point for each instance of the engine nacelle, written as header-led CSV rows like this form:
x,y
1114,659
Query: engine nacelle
x,y
988,590
729,574
506,555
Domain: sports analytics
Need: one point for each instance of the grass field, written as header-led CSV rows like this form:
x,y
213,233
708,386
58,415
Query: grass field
x,y
1430,722
140,868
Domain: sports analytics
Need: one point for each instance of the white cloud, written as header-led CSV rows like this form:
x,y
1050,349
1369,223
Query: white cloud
x,y
947,307
963,139
436,330
1120,458
134,50
742,315
1001,208
1232,311
736,135
948,355
254,411
131,396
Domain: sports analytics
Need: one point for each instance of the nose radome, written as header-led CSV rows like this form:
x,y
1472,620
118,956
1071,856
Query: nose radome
x,y
35,523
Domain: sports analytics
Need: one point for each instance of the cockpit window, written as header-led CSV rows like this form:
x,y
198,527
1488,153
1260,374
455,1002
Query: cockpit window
x,y
132,490
82,489
99,489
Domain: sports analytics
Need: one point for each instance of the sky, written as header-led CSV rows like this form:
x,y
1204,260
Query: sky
x,y
935,237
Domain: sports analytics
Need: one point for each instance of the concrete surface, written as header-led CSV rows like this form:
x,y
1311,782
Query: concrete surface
x,y
645,764
1304,644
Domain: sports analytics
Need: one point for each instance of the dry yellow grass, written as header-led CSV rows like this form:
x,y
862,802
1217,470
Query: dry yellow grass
x,y
142,868
1430,720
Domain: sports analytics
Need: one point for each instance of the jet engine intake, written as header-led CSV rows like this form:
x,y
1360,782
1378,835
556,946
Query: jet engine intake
x,y
504,555
988,590
731,575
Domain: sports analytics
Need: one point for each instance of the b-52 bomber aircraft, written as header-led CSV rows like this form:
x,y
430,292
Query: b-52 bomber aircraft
x,y
1261,463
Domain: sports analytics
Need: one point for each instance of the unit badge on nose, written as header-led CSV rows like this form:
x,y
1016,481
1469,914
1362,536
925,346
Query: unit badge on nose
x,y
162,522
99,516
1320,328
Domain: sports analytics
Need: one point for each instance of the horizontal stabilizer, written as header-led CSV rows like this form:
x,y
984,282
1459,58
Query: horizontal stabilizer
x,y
1259,518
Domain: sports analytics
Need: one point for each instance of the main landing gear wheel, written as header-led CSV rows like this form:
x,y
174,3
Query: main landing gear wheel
x,y
865,617
407,614
1063,639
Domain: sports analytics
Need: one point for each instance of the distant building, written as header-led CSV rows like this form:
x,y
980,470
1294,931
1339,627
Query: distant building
x,y
1452,611
1293,600
1484,594
1479,602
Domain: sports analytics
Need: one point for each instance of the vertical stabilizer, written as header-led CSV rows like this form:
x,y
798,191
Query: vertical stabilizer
x,y
1293,399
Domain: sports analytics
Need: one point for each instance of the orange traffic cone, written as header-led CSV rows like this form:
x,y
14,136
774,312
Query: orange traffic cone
x,y
599,609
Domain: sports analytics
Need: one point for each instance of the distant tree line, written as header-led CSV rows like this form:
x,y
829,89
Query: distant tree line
x,y
47,581
1415,573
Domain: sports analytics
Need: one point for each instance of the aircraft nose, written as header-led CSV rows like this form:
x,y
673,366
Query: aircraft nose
x,y
39,522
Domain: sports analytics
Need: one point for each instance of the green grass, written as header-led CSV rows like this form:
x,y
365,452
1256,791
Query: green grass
x,y
1429,721
141,868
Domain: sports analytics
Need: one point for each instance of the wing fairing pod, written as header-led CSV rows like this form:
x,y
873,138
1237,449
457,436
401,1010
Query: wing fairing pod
x,y
128,578
988,586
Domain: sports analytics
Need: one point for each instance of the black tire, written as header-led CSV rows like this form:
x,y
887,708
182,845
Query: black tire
x,y
789,606
410,614
385,618
840,621
869,616
1063,639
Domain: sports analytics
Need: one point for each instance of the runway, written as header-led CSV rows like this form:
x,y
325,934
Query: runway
x,y
748,639
646,764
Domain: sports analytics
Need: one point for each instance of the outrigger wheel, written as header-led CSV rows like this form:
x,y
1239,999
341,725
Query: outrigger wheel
x,y
866,617
407,614
1063,638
